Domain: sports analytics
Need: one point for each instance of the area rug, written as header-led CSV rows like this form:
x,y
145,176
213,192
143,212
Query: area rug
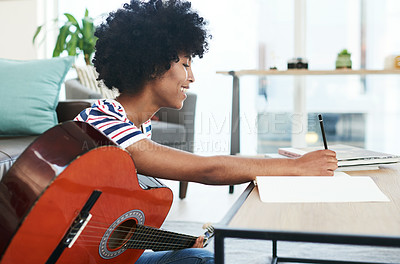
x,y
238,251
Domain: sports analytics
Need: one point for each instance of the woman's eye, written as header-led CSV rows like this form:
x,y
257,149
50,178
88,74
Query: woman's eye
x,y
186,65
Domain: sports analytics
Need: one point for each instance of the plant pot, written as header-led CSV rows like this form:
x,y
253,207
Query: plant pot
x,y
343,61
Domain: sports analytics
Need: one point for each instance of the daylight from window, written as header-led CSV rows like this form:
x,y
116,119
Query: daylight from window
x,y
260,34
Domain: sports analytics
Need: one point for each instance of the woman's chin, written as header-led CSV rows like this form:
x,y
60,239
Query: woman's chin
x,y
179,106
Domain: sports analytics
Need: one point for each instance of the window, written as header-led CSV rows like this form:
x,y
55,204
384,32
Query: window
x,y
359,110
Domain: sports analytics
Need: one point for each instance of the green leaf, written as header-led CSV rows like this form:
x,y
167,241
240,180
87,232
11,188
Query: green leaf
x,y
72,44
39,28
64,33
88,35
72,19
57,49
87,28
80,44
74,37
61,39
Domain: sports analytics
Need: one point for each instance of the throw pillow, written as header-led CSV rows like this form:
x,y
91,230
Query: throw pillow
x,y
87,76
29,94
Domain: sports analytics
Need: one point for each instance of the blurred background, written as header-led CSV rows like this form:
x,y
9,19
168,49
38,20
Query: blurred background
x,y
262,34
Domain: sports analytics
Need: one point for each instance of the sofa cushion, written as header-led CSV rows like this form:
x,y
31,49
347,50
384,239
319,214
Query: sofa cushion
x,y
75,90
29,94
88,77
10,150
169,134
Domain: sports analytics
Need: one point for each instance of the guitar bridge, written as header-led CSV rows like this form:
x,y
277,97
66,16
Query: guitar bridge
x,y
73,234
76,228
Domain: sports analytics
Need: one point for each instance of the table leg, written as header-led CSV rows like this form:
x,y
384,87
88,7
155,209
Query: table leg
x,y
274,252
235,122
219,249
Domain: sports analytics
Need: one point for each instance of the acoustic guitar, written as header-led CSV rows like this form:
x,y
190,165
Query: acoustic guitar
x,y
73,196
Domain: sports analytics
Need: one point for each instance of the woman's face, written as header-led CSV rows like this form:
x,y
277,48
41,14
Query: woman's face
x,y
170,89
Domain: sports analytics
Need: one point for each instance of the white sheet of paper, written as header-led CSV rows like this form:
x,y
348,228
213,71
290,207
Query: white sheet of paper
x,y
317,189
340,174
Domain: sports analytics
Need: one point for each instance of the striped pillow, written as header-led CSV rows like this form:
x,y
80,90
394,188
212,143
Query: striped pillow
x,y
87,76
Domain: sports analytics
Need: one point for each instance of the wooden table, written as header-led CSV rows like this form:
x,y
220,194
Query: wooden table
x,y
363,223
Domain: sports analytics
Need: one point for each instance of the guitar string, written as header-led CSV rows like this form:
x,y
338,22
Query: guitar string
x,y
171,235
129,229
147,239
187,240
103,225
184,243
86,241
159,234
168,235
133,231
151,244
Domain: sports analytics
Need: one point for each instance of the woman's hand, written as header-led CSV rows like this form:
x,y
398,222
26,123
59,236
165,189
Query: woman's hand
x,y
199,242
320,162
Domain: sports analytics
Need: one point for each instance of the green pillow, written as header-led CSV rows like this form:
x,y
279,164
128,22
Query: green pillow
x,y
29,92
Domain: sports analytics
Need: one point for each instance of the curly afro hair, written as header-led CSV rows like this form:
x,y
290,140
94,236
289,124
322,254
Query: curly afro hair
x,y
138,42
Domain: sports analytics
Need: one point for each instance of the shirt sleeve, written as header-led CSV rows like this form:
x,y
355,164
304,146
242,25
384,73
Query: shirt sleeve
x,y
122,133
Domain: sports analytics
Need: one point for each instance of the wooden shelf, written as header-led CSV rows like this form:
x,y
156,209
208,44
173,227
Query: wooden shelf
x,y
308,72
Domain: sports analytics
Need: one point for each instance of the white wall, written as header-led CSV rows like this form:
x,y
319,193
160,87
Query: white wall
x,y
234,27
18,22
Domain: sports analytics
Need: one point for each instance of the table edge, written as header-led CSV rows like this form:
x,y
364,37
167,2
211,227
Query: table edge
x,y
236,206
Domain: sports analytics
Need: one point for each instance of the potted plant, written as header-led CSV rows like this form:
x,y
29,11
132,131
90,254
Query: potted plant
x,y
74,37
343,60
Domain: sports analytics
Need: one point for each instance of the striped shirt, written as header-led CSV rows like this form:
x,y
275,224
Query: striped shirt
x,y
108,116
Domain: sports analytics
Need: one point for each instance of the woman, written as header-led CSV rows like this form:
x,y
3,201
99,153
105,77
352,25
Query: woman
x,y
145,50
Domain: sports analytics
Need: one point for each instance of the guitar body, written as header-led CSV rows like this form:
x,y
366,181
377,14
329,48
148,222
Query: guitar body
x,y
55,177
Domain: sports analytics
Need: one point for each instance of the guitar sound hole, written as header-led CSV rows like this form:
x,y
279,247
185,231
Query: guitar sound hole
x,y
122,234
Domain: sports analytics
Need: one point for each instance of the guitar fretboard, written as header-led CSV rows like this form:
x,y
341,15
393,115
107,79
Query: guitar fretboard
x,y
157,240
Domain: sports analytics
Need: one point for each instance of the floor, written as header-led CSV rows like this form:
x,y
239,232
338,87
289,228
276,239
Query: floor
x,y
203,203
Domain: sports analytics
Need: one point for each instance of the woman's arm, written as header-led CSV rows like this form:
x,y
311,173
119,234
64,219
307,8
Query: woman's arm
x,y
163,162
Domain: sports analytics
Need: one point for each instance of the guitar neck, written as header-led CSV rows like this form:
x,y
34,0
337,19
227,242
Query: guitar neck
x,y
146,237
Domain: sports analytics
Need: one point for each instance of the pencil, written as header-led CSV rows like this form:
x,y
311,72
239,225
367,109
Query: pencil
x,y
321,123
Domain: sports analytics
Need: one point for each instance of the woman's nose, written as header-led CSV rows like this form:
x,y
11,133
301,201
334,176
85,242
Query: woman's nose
x,y
190,75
